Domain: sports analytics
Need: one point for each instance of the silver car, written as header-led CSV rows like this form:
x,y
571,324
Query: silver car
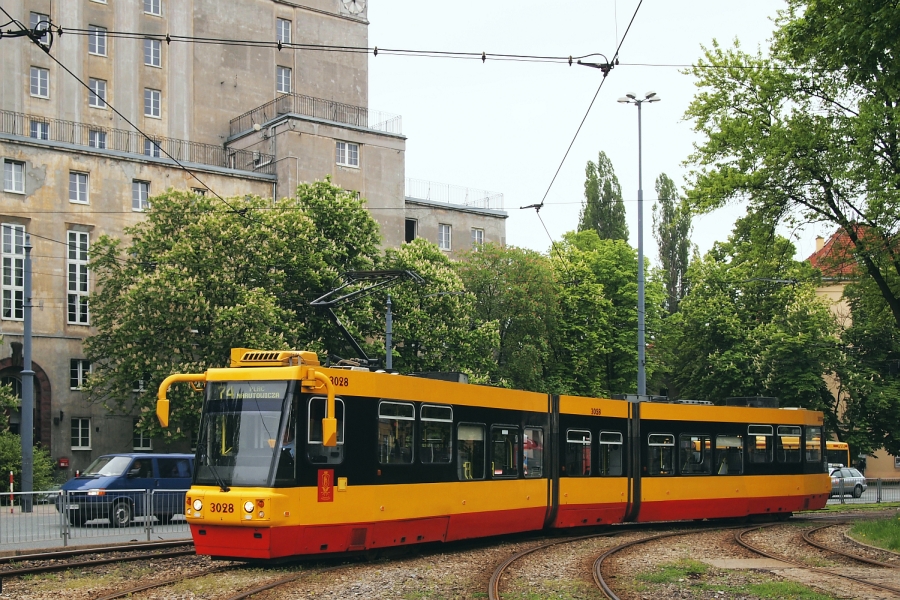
x,y
853,482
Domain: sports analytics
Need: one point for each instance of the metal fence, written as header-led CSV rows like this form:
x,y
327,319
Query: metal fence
x,y
876,491
31,520
132,142
318,108
453,194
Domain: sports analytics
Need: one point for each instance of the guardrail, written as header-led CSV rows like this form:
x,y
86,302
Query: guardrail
x,y
30,520
876,490
132,142
318,108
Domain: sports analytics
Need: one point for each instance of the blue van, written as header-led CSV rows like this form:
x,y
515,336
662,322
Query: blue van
x,y
117,487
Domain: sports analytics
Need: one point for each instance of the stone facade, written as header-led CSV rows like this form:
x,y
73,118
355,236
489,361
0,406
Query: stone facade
x,y
242,118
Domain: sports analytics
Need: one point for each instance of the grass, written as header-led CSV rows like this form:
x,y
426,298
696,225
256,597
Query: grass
x,y
698,579
884,533
856,507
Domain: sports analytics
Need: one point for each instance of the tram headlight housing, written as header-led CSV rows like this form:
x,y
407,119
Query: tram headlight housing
x,y
198,504
248,506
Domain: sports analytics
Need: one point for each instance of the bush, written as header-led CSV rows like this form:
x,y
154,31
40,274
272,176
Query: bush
x,y
11,460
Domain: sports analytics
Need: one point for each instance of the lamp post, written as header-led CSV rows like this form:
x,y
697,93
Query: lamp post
x,y
631,98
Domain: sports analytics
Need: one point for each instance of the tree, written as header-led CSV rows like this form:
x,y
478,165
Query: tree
x,y
603,210
435,327
11,448
201,276
753,325
810,133
672,231
517,289
597,341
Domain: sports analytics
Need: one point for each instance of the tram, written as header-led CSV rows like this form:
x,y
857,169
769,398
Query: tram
x,y
294,458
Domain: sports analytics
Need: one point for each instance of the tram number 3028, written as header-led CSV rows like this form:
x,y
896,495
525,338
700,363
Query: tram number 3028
x,y
339,381
217,507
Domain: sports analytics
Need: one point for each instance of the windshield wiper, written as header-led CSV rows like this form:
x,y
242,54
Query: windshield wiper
x,y
215,474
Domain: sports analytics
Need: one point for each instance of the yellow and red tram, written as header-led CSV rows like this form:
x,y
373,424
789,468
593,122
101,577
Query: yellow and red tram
x,y
294,458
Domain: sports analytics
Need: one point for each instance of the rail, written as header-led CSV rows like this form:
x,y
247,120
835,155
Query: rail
x,y
318,108
453,194
132,142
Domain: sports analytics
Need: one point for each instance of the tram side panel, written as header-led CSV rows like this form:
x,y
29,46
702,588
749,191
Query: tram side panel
x,y
592,446
714,462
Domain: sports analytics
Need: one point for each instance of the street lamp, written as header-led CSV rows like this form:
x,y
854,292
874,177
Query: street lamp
x,y
631,98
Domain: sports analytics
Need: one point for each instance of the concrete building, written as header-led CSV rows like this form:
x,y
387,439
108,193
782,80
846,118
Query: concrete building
x,y
256,114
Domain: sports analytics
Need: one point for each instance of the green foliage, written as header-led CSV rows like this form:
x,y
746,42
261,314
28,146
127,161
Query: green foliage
x,y
752,325
597,342
810,133
603,210
870,379
516,289
11,460
201,276
674,572
435,328
8,401
672,231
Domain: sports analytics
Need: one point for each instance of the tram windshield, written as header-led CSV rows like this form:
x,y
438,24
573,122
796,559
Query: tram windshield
x,y
240,432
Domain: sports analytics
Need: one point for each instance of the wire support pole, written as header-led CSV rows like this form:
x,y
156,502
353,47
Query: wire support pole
x,y
27,375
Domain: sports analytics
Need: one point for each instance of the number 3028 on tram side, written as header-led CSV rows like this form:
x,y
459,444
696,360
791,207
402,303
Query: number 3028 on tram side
x,y
294,458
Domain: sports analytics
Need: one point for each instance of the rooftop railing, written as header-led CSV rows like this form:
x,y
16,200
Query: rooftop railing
x,y
318,108
132,142
453,194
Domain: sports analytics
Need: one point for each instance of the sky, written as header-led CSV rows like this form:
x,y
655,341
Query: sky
x,y
505,126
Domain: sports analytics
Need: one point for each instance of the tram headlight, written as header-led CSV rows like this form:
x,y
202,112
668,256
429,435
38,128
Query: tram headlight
x,y
198,504
248,506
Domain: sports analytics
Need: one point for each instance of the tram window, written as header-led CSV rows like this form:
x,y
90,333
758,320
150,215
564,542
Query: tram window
x,y
470,451
787,444
761,445
534,452
729,454
661,448
436,431
814,444
695,454
284,471
578,453
505,451
396,423
610,454
315,451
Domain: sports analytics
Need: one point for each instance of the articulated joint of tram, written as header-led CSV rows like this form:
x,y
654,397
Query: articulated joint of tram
x,y
162,403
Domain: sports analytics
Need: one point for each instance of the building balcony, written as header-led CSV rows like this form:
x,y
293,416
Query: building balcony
x,y
99,138
317,108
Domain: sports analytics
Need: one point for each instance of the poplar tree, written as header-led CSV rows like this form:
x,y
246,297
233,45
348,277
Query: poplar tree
x,y
672,231
603,210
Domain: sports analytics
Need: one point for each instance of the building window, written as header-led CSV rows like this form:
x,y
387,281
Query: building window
x,y
81,434
97,95
897,462
151,103
97,139
444,232
153,53
141,439
151,148
477,238
97,40
40,130
199,191
41,22
78,187
13,271
283,31
153,7
346,154
78,278
140,194
284,80
79,369
40,82
14,176
412,230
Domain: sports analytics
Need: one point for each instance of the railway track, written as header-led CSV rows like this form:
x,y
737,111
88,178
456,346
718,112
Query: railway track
x,y
739,539
807,537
